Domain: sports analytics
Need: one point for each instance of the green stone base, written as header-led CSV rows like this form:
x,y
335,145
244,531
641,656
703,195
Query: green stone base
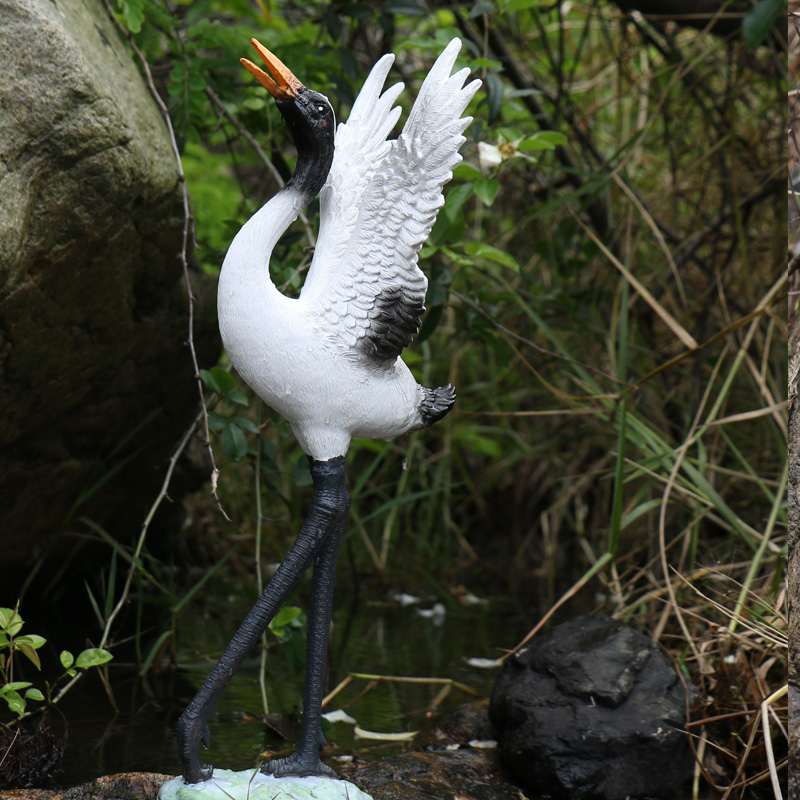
x,y
254,785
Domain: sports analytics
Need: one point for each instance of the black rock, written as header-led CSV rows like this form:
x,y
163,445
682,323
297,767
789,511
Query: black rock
x,y
592,709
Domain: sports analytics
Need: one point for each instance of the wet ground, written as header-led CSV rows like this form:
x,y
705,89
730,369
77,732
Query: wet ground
x,y
377,639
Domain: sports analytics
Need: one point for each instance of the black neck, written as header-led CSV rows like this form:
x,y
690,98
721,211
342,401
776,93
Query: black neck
x,y
315,149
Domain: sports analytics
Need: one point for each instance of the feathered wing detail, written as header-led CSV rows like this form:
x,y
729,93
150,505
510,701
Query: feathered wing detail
x,y
360,147
372,291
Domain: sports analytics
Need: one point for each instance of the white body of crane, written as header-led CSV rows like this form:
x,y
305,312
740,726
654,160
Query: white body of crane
x,y
321,360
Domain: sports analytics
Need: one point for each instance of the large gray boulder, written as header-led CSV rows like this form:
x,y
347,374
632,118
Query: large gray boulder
x,y
96,381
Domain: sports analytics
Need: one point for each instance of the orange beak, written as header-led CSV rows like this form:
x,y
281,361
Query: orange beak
x,y
284,85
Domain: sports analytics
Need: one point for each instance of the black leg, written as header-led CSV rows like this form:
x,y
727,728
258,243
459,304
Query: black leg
x,y
305,760
325,521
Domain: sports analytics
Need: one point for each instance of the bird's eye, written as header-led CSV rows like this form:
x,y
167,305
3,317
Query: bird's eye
x,y
320,109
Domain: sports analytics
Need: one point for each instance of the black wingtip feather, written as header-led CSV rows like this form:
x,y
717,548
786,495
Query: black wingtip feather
x,y
436,403
397,318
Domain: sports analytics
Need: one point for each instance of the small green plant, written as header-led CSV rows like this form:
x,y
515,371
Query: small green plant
x,y
18,693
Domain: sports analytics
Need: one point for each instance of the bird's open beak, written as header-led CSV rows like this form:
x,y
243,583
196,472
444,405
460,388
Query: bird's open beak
x,y
284,85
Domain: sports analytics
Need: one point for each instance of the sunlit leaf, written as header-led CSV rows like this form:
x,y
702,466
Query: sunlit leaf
x,y
482,250
14,686
93,657
32,639
10,621
132,13
15,702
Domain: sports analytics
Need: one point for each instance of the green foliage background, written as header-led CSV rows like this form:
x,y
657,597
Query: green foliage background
x,y
606,292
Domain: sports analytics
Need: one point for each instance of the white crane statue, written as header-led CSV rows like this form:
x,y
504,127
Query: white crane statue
x,y
329,361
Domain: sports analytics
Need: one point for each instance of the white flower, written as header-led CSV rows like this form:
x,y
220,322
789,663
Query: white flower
x,y
489,156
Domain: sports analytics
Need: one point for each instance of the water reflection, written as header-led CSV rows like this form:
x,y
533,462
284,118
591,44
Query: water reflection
x,y
367,638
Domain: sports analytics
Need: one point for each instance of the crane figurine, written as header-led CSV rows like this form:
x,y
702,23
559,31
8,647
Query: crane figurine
x,y
329,361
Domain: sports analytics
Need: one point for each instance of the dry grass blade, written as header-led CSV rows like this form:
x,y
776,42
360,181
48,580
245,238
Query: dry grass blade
x,y
765,707
686,338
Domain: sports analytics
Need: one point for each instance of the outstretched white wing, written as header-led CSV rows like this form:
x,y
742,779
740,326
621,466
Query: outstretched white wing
x,y
379,205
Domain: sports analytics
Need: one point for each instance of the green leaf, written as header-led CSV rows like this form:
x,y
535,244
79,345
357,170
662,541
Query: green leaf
x,y
467,172
455,200
216,422
239,397
450,223
244,423
66,658
93,657
481,250
519,5
210,381
255,103
759,19
543,140
284,617
132,13
14,686
494,92
223,378
481,8
487,189
34,694
234,442
487,63
15,703
32,639
28,652
10,621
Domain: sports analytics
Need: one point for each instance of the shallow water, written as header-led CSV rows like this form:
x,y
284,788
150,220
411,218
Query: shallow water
x,y
369,638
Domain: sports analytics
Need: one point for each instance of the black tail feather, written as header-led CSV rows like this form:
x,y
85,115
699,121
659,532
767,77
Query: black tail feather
x,y
436,403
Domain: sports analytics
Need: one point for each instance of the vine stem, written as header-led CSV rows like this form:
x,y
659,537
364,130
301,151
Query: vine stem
x,y
187,225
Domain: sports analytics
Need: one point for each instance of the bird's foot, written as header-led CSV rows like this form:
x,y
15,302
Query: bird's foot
x,y
298,765
192,729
